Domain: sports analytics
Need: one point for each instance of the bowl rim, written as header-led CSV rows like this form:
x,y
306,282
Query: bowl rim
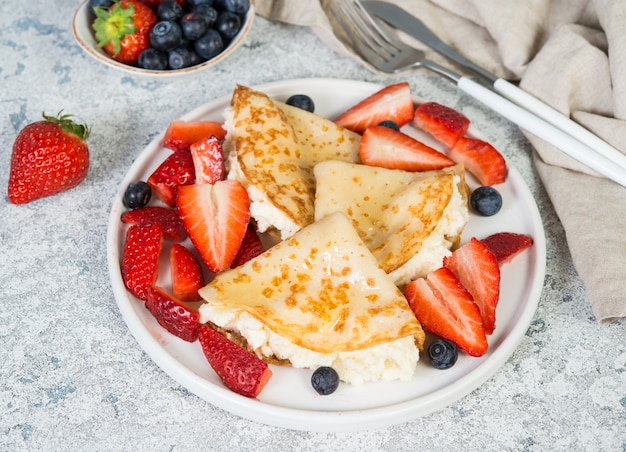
x,y
81,29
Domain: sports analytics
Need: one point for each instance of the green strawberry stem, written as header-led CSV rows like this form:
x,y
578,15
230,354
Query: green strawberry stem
x,y
113,24
66,123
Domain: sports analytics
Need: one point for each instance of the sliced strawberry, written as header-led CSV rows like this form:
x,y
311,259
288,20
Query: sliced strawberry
x,y
251,247
165,217
140,260
186,273
180,135
481,159
445,308
388,148
506,245
477,268
444,123
216,218
239,370
208,160
172,314
176,170
392,103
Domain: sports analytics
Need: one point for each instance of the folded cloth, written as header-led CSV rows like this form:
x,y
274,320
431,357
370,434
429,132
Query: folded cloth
x,y
570,54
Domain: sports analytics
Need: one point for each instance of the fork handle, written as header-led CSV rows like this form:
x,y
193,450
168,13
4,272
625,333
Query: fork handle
x,y
536,123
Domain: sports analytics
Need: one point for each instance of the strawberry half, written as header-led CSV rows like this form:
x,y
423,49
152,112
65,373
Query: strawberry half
x,y
506,245
176,170
208,160
180,135
481,159
389,148
216,218
186,273
477,269
172,314
444,123
239,370
251,247
165,217
445,308
392,103
49,157
140,260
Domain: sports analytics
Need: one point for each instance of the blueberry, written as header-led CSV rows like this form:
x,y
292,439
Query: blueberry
x,y
209,13
390,124
325,380
137,195
166,35
194,25
228,24
442,354
234,6
192,3
301,101
179,58
486,201
153,59
194,58
209,44
170,10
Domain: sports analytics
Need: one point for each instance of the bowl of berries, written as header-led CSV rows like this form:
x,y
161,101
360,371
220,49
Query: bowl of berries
x,y
162,38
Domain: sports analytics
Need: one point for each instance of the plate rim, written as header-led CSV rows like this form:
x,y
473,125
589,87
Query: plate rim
x,y
313,420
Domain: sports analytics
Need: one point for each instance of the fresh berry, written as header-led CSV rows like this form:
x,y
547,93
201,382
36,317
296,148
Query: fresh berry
x,y
234,6
301,101
251,247
194,25
49,157
392,103
98,4
390,124
193,3
186,272
216,218
174,171
506,245
239,370
476,267
137,195
445,308
123,30
486,201
153,60
166,35
442,354
228,24
481,159
209,45
180,135
140,260
165,217
154,4
179,58
444,123
208,160
325,380
172,314
388,148
169,10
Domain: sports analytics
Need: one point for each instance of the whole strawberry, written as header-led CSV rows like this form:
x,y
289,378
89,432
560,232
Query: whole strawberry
x,y
123,30
49,157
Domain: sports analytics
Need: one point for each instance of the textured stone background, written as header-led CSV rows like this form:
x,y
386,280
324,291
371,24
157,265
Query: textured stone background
x,y
73,377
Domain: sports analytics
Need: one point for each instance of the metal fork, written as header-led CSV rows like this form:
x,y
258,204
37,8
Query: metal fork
x,y
376,43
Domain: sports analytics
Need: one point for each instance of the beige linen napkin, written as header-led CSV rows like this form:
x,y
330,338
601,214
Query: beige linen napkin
x,y
569,53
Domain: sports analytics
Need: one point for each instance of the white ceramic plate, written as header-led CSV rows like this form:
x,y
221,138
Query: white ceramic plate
x,y
84,35
288,399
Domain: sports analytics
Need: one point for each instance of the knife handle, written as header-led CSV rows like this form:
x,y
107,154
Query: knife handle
x,y
539,127
549,114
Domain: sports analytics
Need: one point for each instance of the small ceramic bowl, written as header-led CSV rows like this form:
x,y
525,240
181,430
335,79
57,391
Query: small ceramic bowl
x,y
84,35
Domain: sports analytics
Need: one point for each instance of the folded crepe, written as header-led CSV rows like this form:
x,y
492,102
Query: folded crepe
x,y
408,220
316,299
272,149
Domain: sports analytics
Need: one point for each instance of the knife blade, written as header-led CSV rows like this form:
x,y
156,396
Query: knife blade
x,y
403,20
